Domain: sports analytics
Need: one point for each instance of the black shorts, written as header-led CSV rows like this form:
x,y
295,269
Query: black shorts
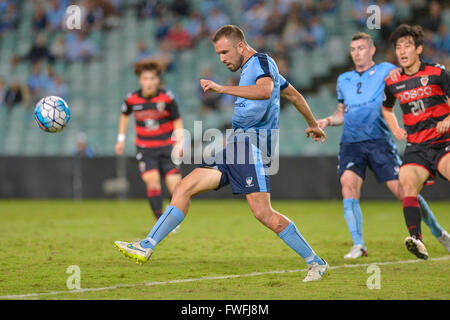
x,y
426,156
156,159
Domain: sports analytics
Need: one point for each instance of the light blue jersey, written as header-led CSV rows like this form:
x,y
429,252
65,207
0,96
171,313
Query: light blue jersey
x,y
362,94
259,114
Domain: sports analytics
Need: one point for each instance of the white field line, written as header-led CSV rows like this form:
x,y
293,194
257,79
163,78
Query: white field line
x,y
253,274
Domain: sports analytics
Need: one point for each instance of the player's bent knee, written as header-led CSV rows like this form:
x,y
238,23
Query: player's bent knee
x,y
409,188
264,215
396,189
152,184
349,188
183,189
444,166
350,192
179,190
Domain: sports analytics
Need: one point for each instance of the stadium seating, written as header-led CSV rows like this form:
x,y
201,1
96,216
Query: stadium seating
x,y
98,88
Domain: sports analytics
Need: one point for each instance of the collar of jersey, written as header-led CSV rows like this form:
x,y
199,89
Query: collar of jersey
x,y
422,66
141,96
242,68
364,72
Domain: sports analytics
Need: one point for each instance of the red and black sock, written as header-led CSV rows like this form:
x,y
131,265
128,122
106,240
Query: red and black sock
x,y
156,201
411,211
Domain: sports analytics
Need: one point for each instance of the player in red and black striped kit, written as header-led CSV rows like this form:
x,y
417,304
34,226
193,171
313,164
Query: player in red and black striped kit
x,y
156,117
423,90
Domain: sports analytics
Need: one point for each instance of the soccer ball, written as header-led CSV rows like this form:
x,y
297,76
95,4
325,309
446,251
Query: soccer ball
x,y
52,114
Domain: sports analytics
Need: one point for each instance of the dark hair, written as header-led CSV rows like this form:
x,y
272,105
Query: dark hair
x,y
363,35
148,65
405,30
229,31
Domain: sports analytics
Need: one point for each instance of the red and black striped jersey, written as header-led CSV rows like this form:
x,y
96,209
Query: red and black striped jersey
x,y
423,98
153,116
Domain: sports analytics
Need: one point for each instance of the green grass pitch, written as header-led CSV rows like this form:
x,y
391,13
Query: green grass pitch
x,y
39,240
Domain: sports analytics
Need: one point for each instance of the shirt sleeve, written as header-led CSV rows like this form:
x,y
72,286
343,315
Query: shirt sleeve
x,y
283,83
445,81
173,107
126,108
263,69
340,95
388,98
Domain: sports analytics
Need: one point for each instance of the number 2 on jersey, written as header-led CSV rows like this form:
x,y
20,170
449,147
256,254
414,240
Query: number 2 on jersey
x,y
358,90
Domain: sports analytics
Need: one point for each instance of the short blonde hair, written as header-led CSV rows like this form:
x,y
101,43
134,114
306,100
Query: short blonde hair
x,y
363,35
229,31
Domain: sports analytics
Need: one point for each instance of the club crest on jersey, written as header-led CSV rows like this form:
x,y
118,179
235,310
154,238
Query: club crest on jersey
x,y
424,80
372,72
161,106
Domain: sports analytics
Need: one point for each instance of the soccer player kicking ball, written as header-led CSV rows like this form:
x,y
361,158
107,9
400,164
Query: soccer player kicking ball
x,y
366,140
156,114
423,90
257,109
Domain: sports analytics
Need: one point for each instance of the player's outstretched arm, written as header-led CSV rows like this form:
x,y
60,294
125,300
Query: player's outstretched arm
x,y
299,102
391,120
123,126
336,119
262,90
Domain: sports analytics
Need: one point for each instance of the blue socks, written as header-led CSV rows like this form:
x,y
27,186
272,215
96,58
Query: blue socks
x,y
428,217
292,237
172,217
353,217
169,220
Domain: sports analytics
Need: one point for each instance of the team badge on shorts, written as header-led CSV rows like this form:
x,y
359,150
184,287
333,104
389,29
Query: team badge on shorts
x,y
249,181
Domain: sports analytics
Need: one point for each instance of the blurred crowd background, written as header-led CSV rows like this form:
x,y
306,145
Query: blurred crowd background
x,y
92,68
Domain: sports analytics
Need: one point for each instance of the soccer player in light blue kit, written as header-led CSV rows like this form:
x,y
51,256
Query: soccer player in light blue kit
x,y
257,110
366,140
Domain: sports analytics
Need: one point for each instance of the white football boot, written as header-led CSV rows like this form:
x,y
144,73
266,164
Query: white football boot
x,y
317,272
416,247
444,239
134,251
356,252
